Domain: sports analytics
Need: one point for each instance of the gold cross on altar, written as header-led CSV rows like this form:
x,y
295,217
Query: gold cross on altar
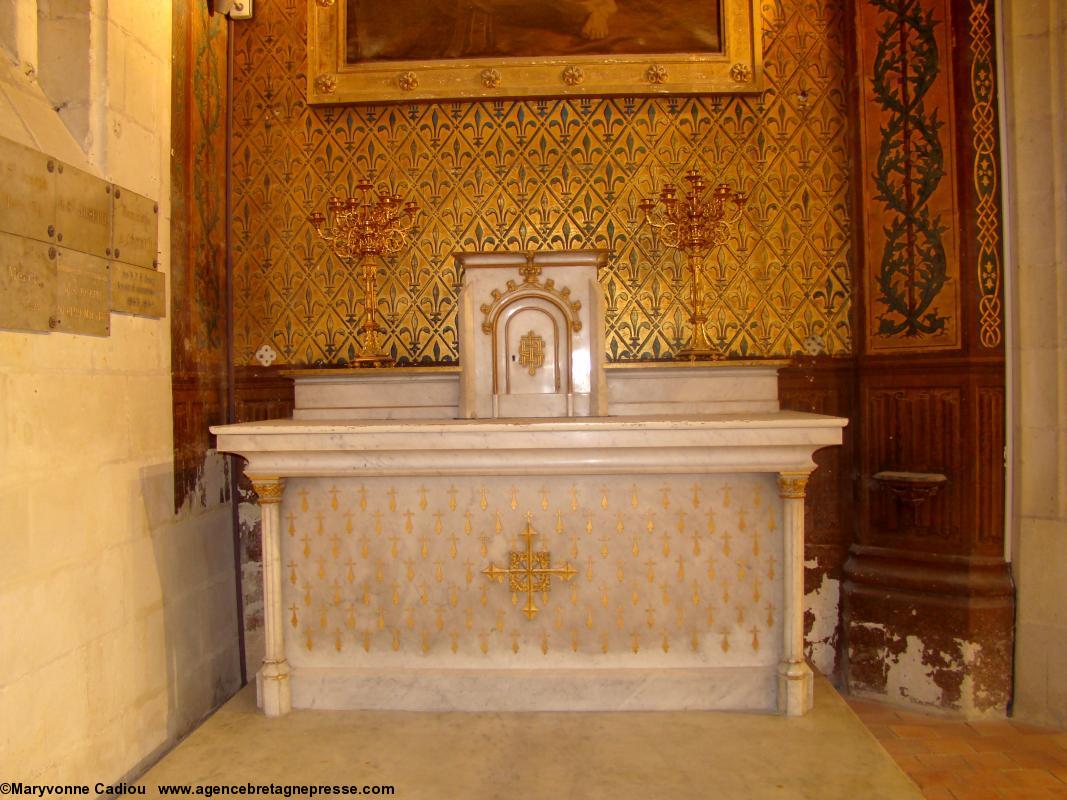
x,y
529,571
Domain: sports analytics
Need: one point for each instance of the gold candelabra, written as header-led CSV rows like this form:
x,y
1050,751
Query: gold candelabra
x,y
358,229
695,224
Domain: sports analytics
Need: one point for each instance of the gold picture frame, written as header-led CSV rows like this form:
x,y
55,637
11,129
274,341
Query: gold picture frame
x,y
734,65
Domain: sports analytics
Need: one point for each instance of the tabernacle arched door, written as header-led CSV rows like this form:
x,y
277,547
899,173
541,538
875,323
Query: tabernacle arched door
x,y
531,359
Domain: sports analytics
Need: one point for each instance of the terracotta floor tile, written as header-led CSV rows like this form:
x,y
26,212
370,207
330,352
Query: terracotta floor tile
x,y
909,763
868,707
1036,759
1012,744
953,763
1026,728
990,761
915,731
971,792
992,778
952,759
1028,794
905,747
993,728
880,719
930,778
917,718
962,730
948,746
880,731
1031,779
1045,742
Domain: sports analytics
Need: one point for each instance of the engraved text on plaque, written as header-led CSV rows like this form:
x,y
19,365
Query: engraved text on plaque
x,y
83,304
137,291
135,229
27,192
27,283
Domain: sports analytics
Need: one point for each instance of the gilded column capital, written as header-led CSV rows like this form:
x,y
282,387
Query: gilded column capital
x,y
269,489
792,484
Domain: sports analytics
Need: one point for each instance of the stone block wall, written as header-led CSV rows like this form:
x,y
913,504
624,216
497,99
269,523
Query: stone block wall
x,y
119,616
1037,130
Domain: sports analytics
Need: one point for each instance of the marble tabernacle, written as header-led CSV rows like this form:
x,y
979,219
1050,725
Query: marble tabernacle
x,y
534,530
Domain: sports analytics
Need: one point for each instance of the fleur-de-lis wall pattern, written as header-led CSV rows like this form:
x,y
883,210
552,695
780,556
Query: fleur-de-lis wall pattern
x,y
545,174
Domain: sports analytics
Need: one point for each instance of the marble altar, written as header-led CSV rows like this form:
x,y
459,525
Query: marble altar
x,y
632,540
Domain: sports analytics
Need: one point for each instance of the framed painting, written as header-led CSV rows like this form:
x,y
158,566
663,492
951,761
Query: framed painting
x,y
374,51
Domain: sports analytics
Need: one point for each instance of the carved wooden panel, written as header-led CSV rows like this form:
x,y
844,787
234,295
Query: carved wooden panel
x,y
262,394
916,430
990,439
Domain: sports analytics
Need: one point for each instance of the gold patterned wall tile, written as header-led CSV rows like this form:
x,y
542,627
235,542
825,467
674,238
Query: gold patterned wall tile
x,y
545,174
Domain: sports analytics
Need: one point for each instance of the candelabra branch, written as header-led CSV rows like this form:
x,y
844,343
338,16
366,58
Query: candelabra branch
x,y
695,223
359,230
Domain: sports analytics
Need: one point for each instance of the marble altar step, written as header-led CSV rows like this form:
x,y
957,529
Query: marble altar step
x,y
827,754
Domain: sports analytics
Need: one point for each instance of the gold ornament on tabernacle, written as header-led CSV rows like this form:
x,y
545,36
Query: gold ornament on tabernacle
x,y
530,282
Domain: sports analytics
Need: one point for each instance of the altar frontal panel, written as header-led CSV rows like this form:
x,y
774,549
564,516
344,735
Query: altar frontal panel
x,y
667,571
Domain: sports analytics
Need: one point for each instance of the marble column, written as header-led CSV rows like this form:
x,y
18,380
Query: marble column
x,y
272,680
795,679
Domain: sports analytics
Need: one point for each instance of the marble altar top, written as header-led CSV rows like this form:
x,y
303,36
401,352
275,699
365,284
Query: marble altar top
x,y
665,422
781,441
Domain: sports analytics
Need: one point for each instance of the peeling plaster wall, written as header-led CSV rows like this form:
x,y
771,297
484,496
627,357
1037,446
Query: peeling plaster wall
x,y
821,622
912,657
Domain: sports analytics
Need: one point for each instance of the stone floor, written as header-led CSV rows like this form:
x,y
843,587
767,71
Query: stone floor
x,y
828,754
956,760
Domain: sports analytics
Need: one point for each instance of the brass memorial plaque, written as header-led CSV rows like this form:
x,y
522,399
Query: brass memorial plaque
x,y
139,291
83,212
27,192
27,283
82,294
135,228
